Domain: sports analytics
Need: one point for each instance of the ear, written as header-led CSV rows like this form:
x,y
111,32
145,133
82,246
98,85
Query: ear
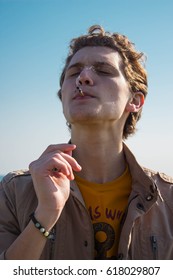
x,y
135,103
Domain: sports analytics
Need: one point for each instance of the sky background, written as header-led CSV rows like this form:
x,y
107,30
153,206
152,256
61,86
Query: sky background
x,y
34,37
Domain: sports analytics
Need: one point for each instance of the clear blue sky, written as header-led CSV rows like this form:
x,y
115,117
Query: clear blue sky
x,y
34,36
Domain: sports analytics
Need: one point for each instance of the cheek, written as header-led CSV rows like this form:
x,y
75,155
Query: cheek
x,y
64,91
117,96
120,91
112,92
63,96
63,88
68,87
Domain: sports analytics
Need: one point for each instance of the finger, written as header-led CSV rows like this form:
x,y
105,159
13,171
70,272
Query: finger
x,y
58,173
66,148
70,162
47,164
56,166
61,157
68,159
73,163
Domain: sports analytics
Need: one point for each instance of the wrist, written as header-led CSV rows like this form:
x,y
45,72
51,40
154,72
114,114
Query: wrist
x,y
47,234
47,218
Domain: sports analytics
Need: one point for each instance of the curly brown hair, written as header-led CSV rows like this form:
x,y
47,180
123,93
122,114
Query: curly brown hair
x,y
133,64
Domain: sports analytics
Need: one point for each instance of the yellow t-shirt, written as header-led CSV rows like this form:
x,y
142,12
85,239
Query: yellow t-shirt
x,y
106,204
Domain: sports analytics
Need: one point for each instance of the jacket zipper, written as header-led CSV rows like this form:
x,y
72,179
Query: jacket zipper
x,y
125,213
154,246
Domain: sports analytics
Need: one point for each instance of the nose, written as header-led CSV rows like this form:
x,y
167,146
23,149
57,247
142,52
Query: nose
x,y
85,77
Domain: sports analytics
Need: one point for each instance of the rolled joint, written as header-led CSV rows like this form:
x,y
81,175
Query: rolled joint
x,y
80,91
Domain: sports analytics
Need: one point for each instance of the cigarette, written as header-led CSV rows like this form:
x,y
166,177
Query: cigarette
x,y
80,91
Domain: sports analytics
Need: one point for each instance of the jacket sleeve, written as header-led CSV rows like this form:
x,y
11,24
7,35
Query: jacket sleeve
x,y
9,228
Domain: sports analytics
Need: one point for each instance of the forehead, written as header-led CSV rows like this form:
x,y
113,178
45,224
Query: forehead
x,y
91,55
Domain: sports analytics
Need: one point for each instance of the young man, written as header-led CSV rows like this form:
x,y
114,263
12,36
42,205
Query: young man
x,y
90,199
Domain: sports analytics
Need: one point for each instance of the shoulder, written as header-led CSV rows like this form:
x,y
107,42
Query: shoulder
x,y
14,174
17,196
158,176
164,184
17,184
165,178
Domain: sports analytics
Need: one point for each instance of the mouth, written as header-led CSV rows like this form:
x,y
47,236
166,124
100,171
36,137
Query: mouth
x,y
83,95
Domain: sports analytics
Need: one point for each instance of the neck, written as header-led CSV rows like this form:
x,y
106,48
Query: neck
x,y
100,153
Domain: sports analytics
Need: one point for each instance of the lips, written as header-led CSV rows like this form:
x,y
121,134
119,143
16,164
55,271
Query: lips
x,y
85,95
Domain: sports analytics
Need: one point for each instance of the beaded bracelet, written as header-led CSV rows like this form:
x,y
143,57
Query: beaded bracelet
x,y
46,233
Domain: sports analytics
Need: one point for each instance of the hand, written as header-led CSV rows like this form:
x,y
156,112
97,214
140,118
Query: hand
x,y
51,175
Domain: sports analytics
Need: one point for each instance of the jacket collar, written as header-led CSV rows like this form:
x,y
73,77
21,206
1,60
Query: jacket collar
x,y
142,184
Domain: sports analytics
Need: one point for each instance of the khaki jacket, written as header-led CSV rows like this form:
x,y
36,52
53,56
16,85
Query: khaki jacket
x,y
147,227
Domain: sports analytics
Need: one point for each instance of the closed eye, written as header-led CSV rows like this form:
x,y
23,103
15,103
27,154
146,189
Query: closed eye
x,y
73,72
103,72
106,69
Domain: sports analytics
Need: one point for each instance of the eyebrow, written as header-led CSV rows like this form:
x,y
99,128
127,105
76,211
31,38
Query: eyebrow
x,y
77,65
95,64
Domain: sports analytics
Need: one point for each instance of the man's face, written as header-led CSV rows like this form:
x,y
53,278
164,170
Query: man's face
x,y
98,71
